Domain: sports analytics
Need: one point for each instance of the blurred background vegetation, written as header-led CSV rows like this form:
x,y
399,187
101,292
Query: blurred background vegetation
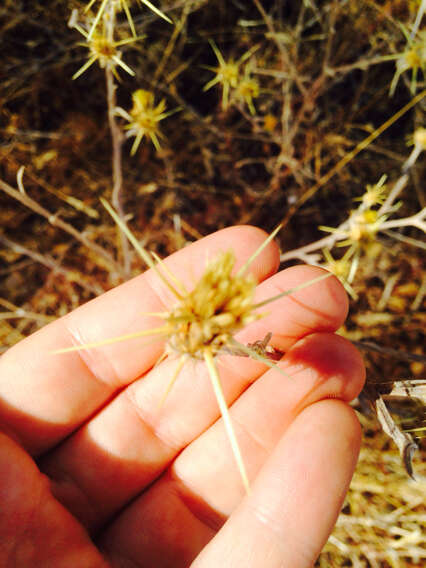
x,y
252,111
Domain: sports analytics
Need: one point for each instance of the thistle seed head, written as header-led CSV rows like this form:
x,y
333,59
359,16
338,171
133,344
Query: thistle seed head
x,y
220,304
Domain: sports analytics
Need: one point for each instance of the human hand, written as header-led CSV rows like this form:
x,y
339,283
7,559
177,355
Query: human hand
x,y
93,473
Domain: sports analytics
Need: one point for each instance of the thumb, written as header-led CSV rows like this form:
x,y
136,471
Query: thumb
x,y
35,530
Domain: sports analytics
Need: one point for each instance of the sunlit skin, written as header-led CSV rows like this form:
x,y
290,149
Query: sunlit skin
x,y
153,486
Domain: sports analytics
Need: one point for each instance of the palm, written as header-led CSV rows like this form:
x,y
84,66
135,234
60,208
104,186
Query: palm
x,y
152,486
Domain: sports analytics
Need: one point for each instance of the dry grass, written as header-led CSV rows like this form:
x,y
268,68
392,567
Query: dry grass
x,y
382,522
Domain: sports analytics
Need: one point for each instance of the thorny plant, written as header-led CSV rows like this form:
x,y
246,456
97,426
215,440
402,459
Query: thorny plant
x,y
307,63
203,322
102,49
236,84
413,59
359,232
144,116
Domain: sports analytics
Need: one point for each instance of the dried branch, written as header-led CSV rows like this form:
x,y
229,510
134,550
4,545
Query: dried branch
x,y
50,263
56,221
117,142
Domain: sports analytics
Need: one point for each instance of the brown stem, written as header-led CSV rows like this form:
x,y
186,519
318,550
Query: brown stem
x,y
56,221
117,144
53,266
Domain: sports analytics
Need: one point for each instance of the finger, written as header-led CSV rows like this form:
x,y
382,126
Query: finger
x,y
128,444
45,396
322,365
321,306
205,485
35,530
297,496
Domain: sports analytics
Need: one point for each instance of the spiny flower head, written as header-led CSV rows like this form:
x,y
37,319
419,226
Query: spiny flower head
x,y
248,89
360,229
343,268
144,117
374,194
339,267
104,50
363,226
227,74
414,59
220,304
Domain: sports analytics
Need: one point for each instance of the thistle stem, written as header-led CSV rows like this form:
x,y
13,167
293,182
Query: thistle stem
x,y
117,144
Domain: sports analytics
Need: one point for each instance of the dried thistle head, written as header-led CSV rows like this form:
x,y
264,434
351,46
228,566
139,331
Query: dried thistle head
x,y
374,194
413,58
363,227
203,320
248,89
144,117
102,48
227,74
220,304
360,229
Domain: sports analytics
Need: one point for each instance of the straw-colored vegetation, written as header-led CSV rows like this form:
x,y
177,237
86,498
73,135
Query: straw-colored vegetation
x,y
192,115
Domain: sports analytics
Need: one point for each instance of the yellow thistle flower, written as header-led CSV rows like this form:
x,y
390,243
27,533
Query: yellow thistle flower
x,y
374,194
227,73
248,89
363,226
219,305
104,50
360,229
343,268
414,59
144,117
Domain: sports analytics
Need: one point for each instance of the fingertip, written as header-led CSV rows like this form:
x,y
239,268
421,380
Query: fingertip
x,y
352,431
327,295
330,365
339,296
297,496
305,302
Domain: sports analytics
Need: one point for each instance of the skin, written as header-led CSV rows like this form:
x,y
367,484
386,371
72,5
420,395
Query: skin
x,y
94,473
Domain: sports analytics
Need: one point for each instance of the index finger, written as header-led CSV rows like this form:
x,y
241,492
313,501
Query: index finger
x,y
45,397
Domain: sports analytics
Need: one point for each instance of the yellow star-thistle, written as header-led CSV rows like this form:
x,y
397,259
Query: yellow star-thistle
x,y
144,117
